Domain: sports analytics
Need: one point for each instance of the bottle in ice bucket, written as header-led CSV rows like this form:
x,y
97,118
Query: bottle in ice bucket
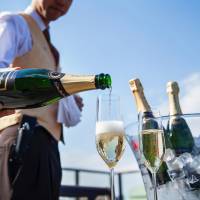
x,y
143,106
29,88
180,133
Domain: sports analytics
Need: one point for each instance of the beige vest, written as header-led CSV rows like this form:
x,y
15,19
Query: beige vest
x,y
39,57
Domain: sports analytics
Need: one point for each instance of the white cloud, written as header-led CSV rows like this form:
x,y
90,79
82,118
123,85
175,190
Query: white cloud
x,y
190,96
189,100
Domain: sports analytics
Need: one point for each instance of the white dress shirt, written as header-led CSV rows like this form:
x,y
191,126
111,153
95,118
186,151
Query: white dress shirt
x,y
15,36
15,41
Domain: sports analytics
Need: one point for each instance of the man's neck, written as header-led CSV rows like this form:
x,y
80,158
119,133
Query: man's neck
x,y
37,17
46,22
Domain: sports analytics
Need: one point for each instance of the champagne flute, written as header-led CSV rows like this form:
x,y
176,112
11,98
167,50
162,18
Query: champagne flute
x,y
152,144
110,140
133,139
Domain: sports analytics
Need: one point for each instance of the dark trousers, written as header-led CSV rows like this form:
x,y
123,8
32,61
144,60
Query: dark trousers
x,y
40,176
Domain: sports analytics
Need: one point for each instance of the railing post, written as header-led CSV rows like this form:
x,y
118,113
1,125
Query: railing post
x,y
120,186
77,177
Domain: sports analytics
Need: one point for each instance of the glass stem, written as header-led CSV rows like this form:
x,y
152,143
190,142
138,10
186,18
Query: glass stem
x,y
155,186
112,184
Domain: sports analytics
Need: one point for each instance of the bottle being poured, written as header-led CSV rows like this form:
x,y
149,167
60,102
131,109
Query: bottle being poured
x,y
31,88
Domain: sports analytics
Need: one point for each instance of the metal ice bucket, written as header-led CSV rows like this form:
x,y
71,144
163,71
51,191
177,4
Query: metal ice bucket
x,y
183,170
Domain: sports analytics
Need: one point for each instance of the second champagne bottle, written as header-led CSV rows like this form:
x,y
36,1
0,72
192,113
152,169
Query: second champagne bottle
x,y
179,131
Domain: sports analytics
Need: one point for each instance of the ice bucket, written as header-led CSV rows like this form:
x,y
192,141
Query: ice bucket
x,y
183,169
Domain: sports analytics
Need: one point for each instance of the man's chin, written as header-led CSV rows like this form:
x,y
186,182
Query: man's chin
x,y
52,17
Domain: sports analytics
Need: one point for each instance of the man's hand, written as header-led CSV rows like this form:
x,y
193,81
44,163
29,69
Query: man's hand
x,y
79,101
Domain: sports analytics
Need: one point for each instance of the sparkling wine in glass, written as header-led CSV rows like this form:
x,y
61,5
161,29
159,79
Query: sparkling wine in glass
x,y
110,140
132,137
152,144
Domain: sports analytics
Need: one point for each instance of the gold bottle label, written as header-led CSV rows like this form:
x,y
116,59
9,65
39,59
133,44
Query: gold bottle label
x,y
77,83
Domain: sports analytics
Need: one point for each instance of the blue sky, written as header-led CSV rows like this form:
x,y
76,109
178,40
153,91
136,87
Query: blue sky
x,y
156,41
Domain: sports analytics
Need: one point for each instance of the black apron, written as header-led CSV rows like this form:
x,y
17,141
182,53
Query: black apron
x,y
40,174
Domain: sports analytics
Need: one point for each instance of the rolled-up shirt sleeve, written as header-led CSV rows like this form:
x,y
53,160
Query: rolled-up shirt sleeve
x,y
15,39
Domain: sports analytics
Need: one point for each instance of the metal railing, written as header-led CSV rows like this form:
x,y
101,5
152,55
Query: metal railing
x,y
92,192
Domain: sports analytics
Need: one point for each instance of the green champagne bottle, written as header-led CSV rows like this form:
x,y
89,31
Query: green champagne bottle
x,y
180,133
143,106
30,88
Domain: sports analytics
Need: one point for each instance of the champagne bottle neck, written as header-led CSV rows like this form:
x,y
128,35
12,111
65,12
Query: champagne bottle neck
x,y
75,83
173,95
141,102
140,99
78,83
174,104
103,81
